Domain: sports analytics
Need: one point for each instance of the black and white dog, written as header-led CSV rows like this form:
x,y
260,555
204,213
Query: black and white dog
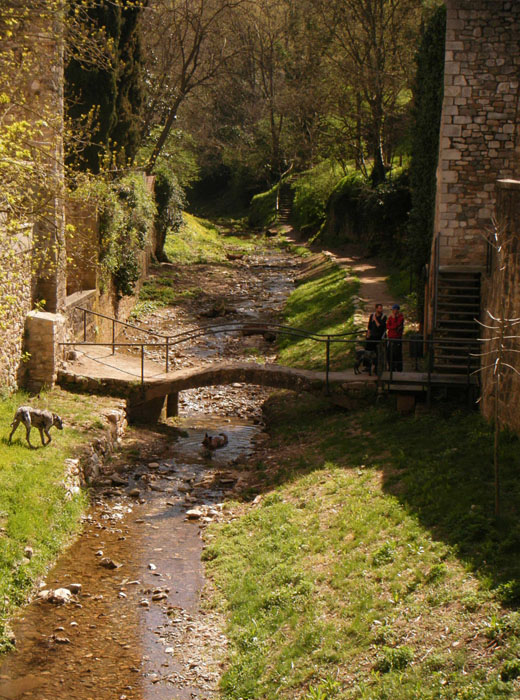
x,y
366,357
41,419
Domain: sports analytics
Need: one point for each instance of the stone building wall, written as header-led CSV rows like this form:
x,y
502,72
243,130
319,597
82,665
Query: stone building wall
x,y
15,303
480,123
501,298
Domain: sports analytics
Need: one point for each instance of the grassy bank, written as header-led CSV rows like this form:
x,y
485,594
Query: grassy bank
x,y
372,566
323,303
35,509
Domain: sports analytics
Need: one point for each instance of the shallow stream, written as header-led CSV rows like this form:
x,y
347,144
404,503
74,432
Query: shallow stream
x,y
135,629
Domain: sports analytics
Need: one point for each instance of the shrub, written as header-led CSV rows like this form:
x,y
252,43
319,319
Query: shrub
x,y
375,216
394,659
510,670
169,200
262,210
126,215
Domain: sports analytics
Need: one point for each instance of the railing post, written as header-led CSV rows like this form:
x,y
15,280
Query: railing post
x,y
113,336
142,364
84,325
167,353
430,368
327,368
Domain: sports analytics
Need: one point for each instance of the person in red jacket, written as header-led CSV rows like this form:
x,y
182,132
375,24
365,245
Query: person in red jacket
x,y
394,332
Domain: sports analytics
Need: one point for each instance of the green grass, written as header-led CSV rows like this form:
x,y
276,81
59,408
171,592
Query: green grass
x,y
321,305
35,510
372,567
200,241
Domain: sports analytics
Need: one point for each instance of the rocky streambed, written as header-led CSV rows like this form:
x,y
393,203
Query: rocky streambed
x,y
120,614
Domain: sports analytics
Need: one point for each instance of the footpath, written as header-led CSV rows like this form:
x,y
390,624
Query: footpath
x,y
100,363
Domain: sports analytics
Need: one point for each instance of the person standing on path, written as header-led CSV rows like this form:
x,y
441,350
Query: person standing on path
x,y
376,328
394,328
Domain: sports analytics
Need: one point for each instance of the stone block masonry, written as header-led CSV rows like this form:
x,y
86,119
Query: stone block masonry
x,y
479,124
43,333
15,302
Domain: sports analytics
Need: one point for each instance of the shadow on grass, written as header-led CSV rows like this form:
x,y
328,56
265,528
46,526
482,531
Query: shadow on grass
x,y
439,466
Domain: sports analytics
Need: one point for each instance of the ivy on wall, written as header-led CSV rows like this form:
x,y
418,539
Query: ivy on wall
x,y
125,212
427,106
126,215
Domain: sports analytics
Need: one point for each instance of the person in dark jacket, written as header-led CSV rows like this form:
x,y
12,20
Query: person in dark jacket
x,y
375,331
394,330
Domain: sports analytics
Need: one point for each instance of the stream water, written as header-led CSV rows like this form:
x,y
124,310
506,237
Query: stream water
x,y
134,629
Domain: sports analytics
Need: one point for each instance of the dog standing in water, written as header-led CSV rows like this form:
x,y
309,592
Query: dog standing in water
x,y
213,442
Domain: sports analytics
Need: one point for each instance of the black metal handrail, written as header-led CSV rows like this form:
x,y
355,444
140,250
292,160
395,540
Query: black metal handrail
x,y
385,346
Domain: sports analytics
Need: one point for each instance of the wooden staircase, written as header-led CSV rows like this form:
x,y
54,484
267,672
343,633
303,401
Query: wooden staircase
x,y
457,308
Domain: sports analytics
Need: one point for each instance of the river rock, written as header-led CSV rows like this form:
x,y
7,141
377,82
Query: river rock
x,y
134,493
194,514
117,480
74,588
59,596
108,563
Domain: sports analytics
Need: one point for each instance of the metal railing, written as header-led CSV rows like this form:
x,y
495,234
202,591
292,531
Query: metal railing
x,y
170,341
388,353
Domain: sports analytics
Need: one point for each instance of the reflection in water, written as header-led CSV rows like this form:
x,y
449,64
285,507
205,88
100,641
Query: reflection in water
x,y
110,642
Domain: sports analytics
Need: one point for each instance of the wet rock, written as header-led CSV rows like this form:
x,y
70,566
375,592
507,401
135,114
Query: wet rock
x,y
144,603
59,639
117,480
108,563
74,588
59,596
152,567
134,493
159,596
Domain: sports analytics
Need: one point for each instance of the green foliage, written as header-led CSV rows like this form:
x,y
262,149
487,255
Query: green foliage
x,y
125,136
104,97
428,94
312,190
374,215
394,659
170,201
126,214
262,210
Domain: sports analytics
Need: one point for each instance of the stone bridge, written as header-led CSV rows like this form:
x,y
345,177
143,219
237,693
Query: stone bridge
x,y
146,400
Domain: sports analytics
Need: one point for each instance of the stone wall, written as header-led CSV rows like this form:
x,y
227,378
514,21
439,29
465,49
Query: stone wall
x,y
15,303
44,331
501,298
479,125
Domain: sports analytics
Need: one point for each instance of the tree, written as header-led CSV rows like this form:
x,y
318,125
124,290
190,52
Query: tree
x,y
188,51
371,57
103,80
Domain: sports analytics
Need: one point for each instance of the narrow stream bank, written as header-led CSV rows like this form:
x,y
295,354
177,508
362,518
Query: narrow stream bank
x,y
131,626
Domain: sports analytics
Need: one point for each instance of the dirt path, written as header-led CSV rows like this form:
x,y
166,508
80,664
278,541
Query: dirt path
x,y
373,275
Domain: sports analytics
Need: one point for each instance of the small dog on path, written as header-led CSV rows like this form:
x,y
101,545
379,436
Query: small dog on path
x,y
41,419
369,360
212,442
